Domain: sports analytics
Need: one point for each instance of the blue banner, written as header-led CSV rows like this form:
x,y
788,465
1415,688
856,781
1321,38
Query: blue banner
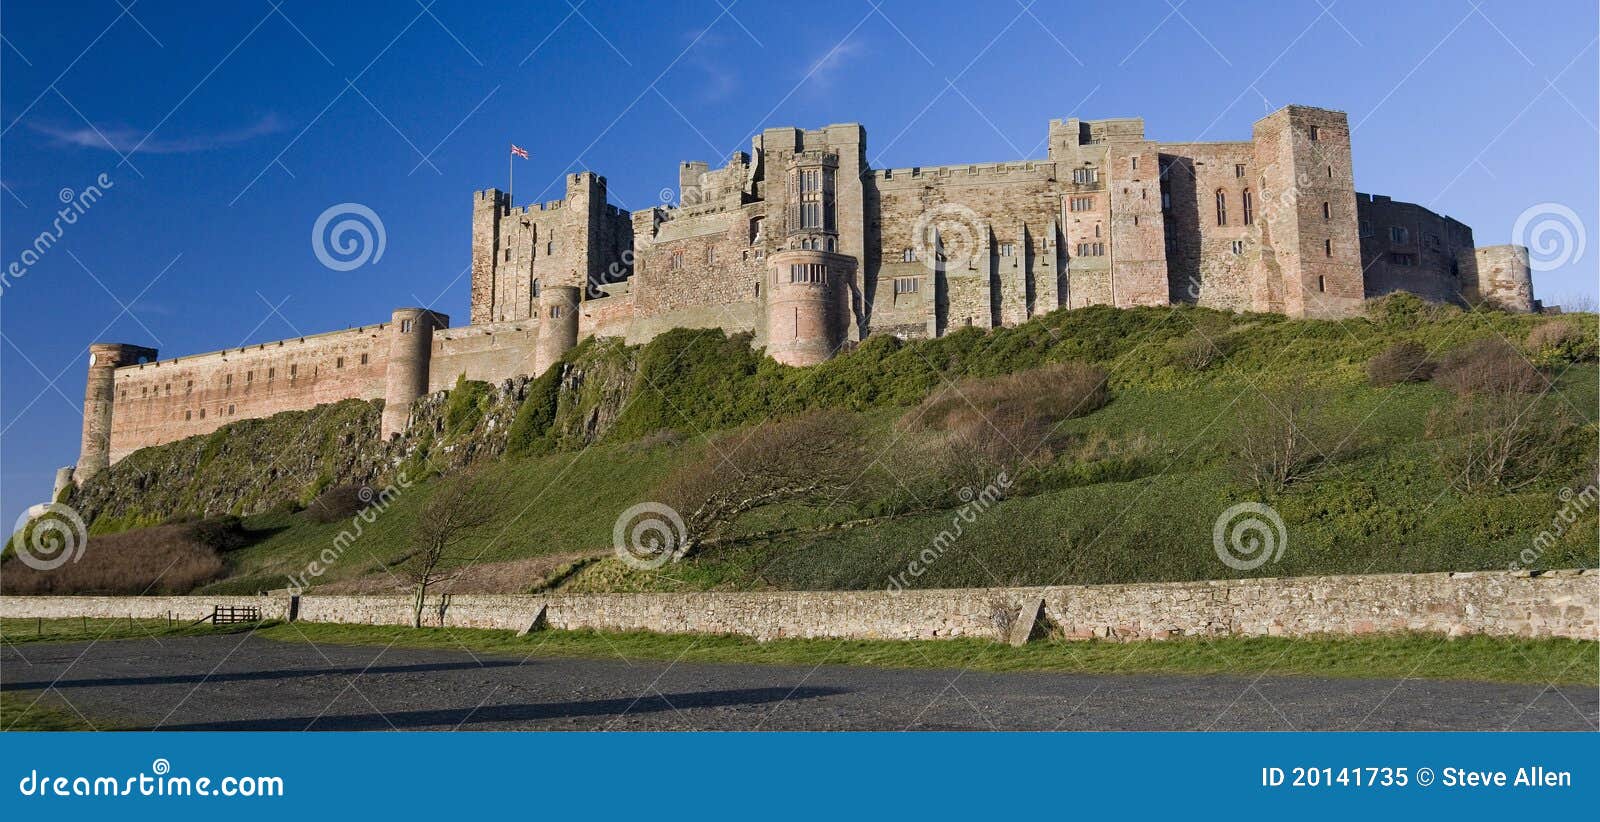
x,y
236,776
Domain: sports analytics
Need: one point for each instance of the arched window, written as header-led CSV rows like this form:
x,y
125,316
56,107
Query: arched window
x,y
908,256
1222,207
535,288
1249,208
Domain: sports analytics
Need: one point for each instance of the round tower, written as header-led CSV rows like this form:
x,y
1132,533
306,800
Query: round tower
x,y
558,325
808,305
99,395
63,481
406,376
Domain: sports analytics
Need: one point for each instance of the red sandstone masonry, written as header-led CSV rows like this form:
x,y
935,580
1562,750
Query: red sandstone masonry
x,y
1494,603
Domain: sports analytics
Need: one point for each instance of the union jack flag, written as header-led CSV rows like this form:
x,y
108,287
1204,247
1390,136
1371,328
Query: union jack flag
x,y
519,151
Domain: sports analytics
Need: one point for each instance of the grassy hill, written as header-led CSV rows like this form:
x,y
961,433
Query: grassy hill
x,y
1129,491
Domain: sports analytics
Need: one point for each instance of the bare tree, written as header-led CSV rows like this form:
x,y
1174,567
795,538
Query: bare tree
x,y
1282,438
456,509
816,456
1496,443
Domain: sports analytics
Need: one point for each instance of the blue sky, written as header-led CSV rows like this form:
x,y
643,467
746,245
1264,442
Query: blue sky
x,y
225,129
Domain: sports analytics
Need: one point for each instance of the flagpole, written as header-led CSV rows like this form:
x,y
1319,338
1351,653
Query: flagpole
x,y
511,177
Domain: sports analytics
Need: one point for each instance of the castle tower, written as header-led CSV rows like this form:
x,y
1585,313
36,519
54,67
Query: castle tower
x,y
488,206
63,481
808,305
558,325
1498,275
1308,215
410,353
99,395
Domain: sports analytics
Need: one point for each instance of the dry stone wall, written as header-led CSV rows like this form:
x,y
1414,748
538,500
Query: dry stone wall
x,y
1551,604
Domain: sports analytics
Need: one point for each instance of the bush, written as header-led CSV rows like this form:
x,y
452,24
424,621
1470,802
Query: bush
x,y
340,502
1405,361
1489,366
221,534
1557,343
530,433
1495,443
1197,351
464,409
165,559
1283,438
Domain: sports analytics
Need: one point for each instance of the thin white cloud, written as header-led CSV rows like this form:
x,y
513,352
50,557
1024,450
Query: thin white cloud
x,y
124,139
825,67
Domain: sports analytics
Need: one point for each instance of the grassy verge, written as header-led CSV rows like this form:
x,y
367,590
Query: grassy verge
x,y
24,711
22,631
1489,659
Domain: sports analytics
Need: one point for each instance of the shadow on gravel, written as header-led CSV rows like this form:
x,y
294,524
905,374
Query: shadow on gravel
x,y
247,676
458,717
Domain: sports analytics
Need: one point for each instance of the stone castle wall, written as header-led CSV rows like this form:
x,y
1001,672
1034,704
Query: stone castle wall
x,y
1108,217
1552,604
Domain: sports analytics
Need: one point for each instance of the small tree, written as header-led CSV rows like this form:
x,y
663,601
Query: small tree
x,y
1282,439
1405,361
454,511
1496,443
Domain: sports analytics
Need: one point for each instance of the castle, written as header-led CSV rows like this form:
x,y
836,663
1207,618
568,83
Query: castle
x,y
803,244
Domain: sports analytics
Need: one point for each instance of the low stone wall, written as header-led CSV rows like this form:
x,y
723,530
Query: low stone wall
x,y
1552,604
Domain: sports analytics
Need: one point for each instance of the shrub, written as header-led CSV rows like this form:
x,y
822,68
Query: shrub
x,y
221,534
1283,438
165,559
1488,366
529,435
1197,351
1405,361
1558,343
1495,443
340,502
464,409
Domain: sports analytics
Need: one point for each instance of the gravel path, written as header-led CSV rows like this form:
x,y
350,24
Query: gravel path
x,y
242,682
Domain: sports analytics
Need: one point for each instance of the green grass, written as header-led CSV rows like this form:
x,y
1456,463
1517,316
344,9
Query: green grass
x,y
26,711
23,631
1490,659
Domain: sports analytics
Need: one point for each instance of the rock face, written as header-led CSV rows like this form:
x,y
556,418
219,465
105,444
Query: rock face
x,y
255,465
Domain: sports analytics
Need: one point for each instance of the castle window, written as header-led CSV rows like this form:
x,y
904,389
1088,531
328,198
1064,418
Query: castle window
x,y
188,387
1238,247
1096,229
271,373
808,273
1330,172
405,326
1430,241
508,254
1366,228
1249,208
230,410
755,229
1403,259
338,362
1222,207
711,256
363,359
1166,201
144,391
1091,249
1399,234
832,244
202,413
534,288
1085,176
249,376
550,248
1322,283
1327,248
292,370
188,415
1008,250
758,288
1133,163
1327,210
908,255
677,261
906,285
1081,204
227,379
1238,170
